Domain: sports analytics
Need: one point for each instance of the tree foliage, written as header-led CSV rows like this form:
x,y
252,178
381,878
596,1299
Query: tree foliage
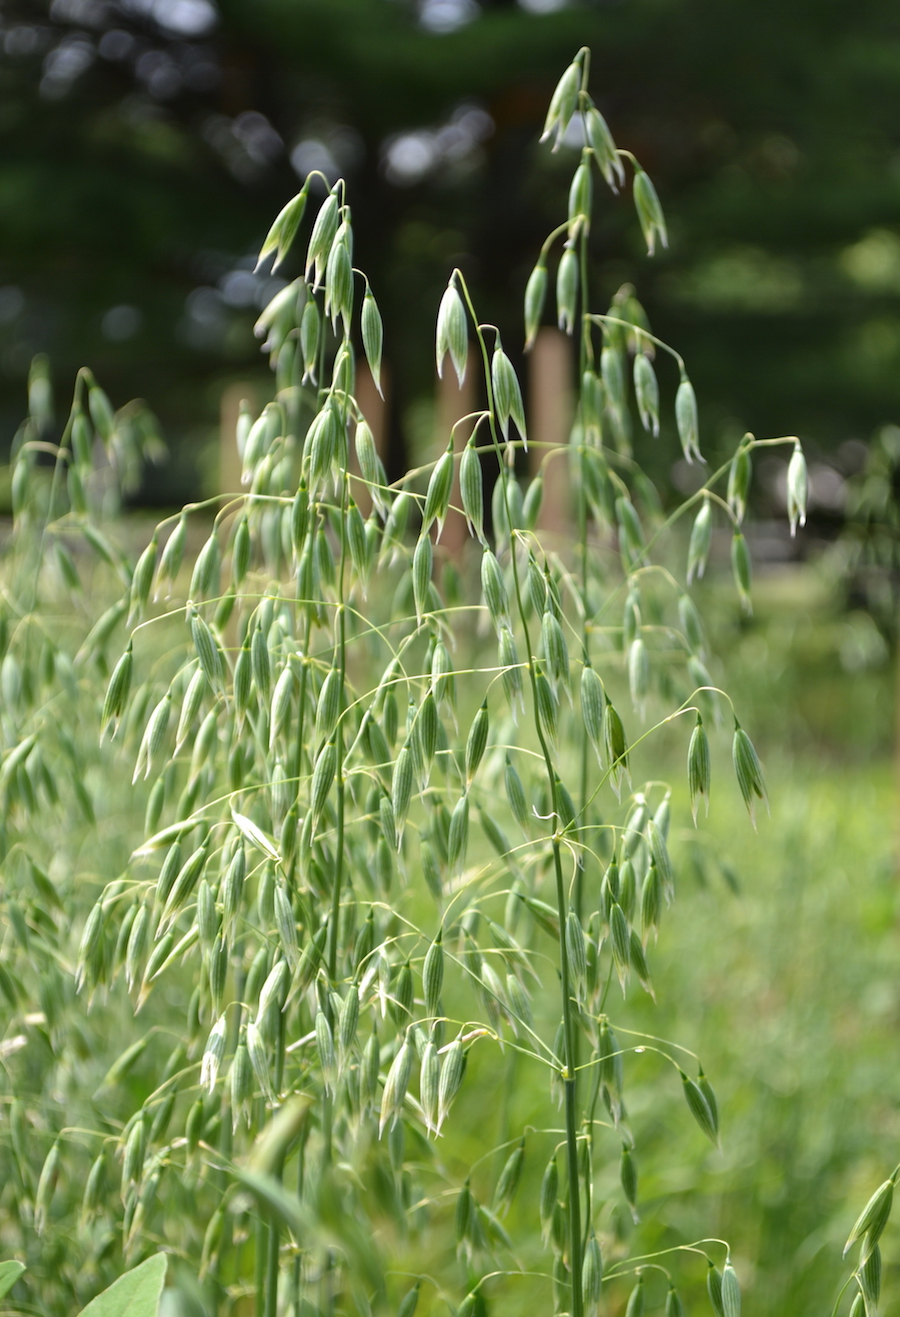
x,y
141,164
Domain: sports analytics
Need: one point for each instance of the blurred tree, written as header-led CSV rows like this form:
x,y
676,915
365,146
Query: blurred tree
x,y
147,143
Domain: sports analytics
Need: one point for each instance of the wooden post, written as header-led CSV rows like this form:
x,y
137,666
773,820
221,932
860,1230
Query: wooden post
x,y
454,401
549,424
229,410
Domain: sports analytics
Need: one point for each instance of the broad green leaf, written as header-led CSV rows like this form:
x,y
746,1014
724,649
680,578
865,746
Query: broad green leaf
x,y
9,1274
274,1200
136,1294
271,1146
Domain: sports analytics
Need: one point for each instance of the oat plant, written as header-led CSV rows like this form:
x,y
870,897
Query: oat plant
x,y
362,872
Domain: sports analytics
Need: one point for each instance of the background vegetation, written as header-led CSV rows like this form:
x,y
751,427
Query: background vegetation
x,y
147,144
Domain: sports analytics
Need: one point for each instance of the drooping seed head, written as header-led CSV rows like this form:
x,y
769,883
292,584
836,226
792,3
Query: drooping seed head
x,y
507,394
576,953
639,963
562,104
741,566
674,1306
660,854
699,1108
205,576
310,333
628,1177
567,291
142,578
471,488
437,497
138,941
101,411
259,1059
691,625
453,1069
739,475
874,1216
797,489
421,574
869,1272
208,651
372,336
401,787
286,924
701,538
508,658
117,691
322,779
549,1192
458,838
328,705
731,1291
494,589
284,228
547,705
649,212
46,1187
592,702
748,771
396,1084
638,672
631,532
556,651
651,903
409,1302
635,1306
508,1181
604,149
706,1089
452,332
581,198
535,297
476,742
615,746
698,764
213,1054
646,392
620,937
686,420
433,976
714,1289
324,229
515,794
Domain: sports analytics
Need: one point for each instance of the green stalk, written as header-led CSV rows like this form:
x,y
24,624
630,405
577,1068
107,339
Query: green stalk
x,y
589,1188
583,350
273,1247
54,484
297,1273
339,730
328,1109
569,1078
339,749
296,768
262,1244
